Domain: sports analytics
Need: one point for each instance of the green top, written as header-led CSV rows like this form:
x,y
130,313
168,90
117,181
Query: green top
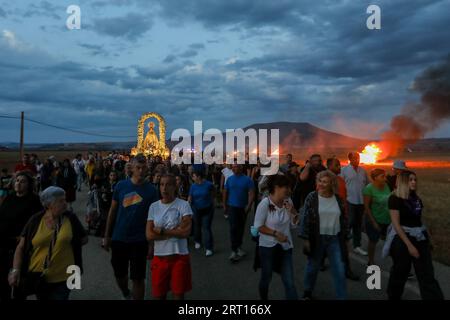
x,y
379,203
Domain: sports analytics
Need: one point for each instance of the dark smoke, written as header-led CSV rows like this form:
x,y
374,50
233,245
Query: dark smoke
x,y
416,120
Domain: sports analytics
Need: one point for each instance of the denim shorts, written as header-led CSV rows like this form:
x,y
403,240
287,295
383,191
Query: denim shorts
x,y
373,234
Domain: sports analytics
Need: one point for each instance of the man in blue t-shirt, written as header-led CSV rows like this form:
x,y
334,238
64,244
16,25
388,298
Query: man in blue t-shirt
x,y
125,229
238,196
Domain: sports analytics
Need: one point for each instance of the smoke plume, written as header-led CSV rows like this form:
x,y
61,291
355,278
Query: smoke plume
x,y
416,120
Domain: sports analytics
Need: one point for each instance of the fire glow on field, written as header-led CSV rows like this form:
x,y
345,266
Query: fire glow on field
x,y
370,154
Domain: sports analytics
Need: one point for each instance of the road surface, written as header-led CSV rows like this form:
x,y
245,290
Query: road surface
x,y
216,278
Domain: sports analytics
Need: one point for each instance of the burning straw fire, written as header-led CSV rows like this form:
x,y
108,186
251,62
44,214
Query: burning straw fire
x,y
371,154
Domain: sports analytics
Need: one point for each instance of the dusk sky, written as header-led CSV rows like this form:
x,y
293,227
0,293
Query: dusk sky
x,y
230,63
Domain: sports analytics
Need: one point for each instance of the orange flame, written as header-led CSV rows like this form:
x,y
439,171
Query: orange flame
x,y
370,154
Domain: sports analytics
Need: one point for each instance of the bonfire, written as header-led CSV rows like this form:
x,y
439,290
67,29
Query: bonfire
x,y
371,154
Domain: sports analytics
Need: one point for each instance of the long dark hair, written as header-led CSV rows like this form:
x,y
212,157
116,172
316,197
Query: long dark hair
x,y
277,180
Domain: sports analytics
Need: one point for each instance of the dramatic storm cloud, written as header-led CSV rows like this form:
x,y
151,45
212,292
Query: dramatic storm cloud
x,y
230,63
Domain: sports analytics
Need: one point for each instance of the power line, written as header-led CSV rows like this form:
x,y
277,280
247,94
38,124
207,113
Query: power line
x,y
66,129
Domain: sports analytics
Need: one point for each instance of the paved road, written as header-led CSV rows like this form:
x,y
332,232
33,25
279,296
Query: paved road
x,y
216,278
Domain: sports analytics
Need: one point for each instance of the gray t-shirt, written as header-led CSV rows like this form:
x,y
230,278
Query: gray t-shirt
x,y
169,216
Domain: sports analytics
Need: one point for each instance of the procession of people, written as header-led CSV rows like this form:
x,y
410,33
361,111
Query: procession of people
x,y
146,208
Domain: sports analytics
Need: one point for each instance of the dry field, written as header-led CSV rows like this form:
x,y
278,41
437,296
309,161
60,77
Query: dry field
x,y
433,172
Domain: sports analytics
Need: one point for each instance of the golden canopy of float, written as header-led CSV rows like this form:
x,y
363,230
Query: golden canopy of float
x,y
148,143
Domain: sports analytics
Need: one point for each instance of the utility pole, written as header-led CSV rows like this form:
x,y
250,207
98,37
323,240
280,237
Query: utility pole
x,y
21,135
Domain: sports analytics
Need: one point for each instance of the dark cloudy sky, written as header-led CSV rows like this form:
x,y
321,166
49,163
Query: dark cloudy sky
x,y
230,63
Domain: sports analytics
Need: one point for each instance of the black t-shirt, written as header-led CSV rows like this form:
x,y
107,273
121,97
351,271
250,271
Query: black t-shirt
x,y
14,214
391,181
410,210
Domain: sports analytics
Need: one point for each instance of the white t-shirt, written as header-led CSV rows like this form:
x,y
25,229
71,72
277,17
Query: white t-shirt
x,y
329,213
77,164
227,173
279,220
169,216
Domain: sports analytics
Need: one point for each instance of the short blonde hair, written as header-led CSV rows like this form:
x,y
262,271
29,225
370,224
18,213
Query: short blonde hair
x,y
402,184
331,176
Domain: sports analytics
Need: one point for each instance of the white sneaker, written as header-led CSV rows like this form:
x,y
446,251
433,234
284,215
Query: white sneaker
x,y
241,253
197,245
360,251
209,253
234,257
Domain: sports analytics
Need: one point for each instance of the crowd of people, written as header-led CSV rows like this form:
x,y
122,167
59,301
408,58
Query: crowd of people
x,y
146,208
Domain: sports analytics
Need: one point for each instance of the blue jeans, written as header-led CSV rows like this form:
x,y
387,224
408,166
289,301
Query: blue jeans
x,y
356,213
202,226
329,245
268,256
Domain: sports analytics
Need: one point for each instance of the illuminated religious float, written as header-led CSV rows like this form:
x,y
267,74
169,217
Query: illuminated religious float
x,y
150,144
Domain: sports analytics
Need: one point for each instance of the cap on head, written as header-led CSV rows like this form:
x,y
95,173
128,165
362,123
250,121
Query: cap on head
x,y
400,165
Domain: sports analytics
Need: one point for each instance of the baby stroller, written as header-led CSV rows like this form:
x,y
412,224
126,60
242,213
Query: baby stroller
x,y
93,210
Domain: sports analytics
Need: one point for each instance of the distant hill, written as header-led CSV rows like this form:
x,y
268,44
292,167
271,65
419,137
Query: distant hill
x,y
295,137
305,135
